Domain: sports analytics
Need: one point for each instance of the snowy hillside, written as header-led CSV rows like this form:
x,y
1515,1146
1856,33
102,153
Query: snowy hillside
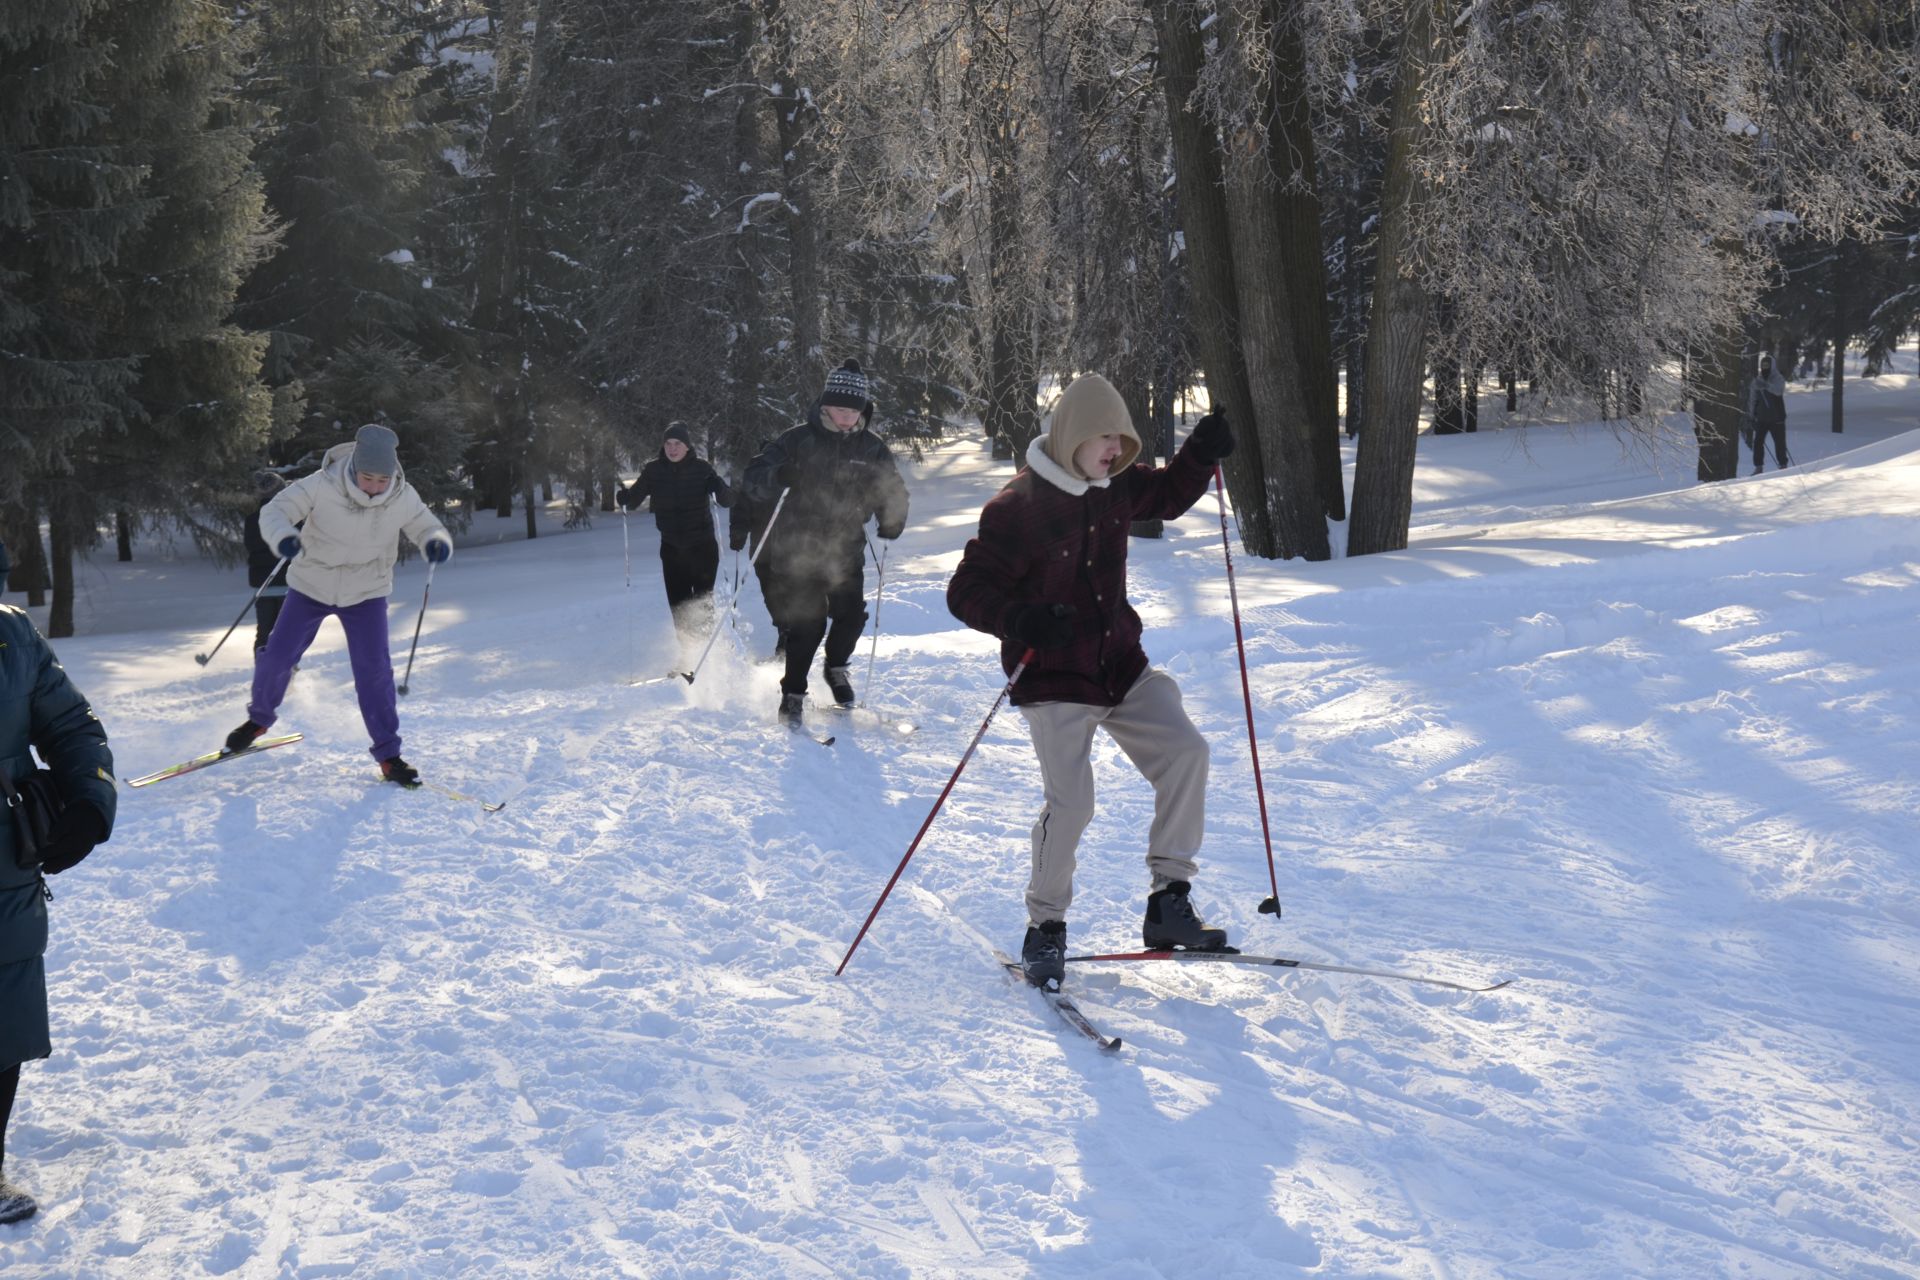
x,y
1645,747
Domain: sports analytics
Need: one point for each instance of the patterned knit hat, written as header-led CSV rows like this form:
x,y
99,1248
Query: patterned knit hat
x,y
847,388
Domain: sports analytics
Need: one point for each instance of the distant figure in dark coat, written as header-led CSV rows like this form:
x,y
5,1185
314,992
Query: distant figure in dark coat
x,y
1767,410
262,560
746,531
679,483
39,708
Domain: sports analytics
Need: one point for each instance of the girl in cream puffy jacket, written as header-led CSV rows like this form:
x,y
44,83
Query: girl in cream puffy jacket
x,y
348,540
340,528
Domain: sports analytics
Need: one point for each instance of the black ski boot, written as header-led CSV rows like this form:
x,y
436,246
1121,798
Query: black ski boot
x,y
1043,955
394,769
1171,924
791,706
242,738
841,684
15,1204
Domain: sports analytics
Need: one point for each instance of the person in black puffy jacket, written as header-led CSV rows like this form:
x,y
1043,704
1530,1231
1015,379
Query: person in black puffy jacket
x,y
678,483
746,531
836,474
262,560
39,709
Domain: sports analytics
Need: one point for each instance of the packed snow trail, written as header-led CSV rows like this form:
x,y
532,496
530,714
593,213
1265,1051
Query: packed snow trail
x,y
1650,757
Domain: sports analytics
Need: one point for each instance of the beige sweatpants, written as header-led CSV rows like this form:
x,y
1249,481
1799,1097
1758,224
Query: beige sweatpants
x,y
1151,726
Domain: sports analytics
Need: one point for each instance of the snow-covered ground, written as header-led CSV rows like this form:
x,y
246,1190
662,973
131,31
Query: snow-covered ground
x,y
1645,747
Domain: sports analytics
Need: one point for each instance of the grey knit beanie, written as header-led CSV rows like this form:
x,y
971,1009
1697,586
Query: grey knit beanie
x,y
374,450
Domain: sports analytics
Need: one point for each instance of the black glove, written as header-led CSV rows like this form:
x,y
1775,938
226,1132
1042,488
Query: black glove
x,y
1211,439
1043,626
787,477
891,531
289,547
78,828
737,538
627,498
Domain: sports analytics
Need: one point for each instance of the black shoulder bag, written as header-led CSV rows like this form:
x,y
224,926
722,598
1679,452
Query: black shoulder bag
x,y
32,805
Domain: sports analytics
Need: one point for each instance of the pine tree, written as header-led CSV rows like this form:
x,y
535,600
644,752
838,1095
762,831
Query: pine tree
x,y
132,212
350,161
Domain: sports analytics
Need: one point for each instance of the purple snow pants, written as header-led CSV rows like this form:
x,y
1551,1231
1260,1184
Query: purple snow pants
x,y
366,627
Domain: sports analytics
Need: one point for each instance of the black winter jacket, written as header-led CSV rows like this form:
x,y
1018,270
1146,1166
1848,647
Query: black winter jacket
x,y
837,480
261,558
679,493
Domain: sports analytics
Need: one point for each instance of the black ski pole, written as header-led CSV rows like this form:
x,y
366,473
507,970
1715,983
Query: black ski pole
x,y
979,733
416,630
204,658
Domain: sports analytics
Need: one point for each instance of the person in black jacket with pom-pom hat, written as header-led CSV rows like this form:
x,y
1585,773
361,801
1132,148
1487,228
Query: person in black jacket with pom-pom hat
x,y
836,474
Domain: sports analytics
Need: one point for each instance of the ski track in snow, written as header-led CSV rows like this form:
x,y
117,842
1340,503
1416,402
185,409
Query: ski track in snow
x,y
307,1025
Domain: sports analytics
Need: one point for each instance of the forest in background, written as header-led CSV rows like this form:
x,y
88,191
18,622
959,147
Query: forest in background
x,y
530,233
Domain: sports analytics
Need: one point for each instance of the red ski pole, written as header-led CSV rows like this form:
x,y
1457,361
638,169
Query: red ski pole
x,y
1271,907
980,733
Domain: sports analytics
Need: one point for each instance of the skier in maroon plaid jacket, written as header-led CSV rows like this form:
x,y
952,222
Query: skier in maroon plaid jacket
x,y
1048,572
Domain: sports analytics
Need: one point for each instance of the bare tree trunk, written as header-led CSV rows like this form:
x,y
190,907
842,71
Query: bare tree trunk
x,y
1013,383
60,535
1305,256
1210,267
1718,404
1282,419
1356,384
1397,338
794,121
1842,290
29,556
1838,417
123,535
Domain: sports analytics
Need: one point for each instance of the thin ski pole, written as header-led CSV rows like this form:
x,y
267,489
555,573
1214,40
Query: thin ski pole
x,y
626,546
416,630
204,658
733,616
715,635
879,589
626,554
979,733
1271,906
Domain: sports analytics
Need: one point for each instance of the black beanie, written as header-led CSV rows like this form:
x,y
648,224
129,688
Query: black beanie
x,y
847,388
678,431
